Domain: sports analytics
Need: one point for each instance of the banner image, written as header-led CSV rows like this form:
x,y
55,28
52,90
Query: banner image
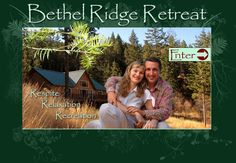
x,y
64,83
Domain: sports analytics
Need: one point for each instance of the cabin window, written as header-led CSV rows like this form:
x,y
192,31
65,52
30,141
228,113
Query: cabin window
x,y
84,83
83,93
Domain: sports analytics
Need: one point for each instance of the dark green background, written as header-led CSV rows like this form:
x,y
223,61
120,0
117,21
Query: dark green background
x,y
142,146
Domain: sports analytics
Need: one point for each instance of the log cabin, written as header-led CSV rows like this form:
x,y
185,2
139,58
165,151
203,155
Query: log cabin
x,y
81,87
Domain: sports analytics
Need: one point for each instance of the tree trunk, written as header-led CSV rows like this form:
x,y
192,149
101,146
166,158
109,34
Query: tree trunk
x,y
66,56
204,108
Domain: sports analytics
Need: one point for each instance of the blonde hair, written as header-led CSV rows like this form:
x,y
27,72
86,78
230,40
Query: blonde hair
x,y
124,84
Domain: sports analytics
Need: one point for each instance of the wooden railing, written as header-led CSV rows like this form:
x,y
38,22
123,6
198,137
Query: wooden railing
x,y
90,97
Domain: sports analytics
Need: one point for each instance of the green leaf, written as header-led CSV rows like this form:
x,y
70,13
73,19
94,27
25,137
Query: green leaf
x,y
89,47
219,44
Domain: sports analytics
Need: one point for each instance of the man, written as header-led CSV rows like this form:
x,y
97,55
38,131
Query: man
x,y
160,90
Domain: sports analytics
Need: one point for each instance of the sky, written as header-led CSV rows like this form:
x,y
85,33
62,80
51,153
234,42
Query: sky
x,y
187,34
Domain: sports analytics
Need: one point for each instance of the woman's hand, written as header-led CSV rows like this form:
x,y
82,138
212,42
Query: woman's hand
x,y
111,98
151,124
132,110
140,121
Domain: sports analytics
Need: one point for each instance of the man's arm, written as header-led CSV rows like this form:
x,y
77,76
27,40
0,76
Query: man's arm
x,y
164,106
111,82
110,86
151,124
140,120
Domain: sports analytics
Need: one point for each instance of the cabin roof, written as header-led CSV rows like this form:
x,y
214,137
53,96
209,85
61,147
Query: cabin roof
x,y
58,78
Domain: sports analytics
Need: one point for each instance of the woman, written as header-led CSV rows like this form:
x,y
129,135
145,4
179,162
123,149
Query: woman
x,y
131,92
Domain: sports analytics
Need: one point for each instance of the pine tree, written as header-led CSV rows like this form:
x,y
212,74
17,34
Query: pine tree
x,y
199,76
28,63
203,40
133,50
156,36
183,70
112,61
171,41
181,64
106,72
147,50
115,70
119,54
168,68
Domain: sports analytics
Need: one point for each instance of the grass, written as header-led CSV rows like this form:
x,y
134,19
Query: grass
x,y
34,116
180,123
